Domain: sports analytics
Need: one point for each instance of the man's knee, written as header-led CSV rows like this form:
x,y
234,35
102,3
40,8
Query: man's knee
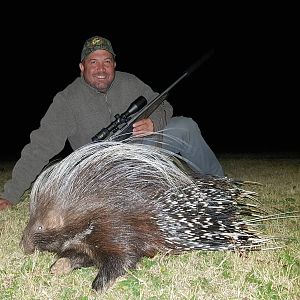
x,y
183,123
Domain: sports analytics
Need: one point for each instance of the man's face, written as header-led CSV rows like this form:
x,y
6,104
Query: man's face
x,y
98,70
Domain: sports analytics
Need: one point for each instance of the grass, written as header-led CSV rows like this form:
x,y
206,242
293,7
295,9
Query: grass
x,y
271,274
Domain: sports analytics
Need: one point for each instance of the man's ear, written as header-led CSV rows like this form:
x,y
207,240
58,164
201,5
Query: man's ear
x,y
81,67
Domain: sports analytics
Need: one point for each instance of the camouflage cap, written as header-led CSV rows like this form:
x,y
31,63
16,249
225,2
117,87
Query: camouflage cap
x,y
96,43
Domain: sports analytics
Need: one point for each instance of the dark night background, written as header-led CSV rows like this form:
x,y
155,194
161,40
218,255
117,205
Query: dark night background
x,y
243,97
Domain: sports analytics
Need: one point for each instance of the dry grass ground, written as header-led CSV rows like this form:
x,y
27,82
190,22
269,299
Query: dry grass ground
x,y
273,274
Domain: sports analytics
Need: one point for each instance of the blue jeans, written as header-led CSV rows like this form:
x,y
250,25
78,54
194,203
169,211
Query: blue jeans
x,y
183,136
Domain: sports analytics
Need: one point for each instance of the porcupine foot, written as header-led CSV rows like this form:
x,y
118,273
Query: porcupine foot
x,y
61,267
113,267
70,261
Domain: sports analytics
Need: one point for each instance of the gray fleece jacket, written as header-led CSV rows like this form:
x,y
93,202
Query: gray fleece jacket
x,y
76,114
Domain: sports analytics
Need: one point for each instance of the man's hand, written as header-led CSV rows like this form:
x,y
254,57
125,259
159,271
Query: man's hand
x,y
4,204
143,127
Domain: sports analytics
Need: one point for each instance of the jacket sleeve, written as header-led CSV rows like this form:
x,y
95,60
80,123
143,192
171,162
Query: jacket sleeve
x,y
45,142
162,115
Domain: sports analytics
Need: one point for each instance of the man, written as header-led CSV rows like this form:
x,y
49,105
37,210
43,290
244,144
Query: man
x,y
89,104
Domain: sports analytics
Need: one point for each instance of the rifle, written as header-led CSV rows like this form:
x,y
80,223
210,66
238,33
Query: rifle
x,y
121,127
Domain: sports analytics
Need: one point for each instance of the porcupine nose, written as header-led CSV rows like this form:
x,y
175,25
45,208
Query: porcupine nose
x,y
26,243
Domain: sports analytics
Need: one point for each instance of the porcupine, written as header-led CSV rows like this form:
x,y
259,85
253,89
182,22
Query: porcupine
x,y
110,204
